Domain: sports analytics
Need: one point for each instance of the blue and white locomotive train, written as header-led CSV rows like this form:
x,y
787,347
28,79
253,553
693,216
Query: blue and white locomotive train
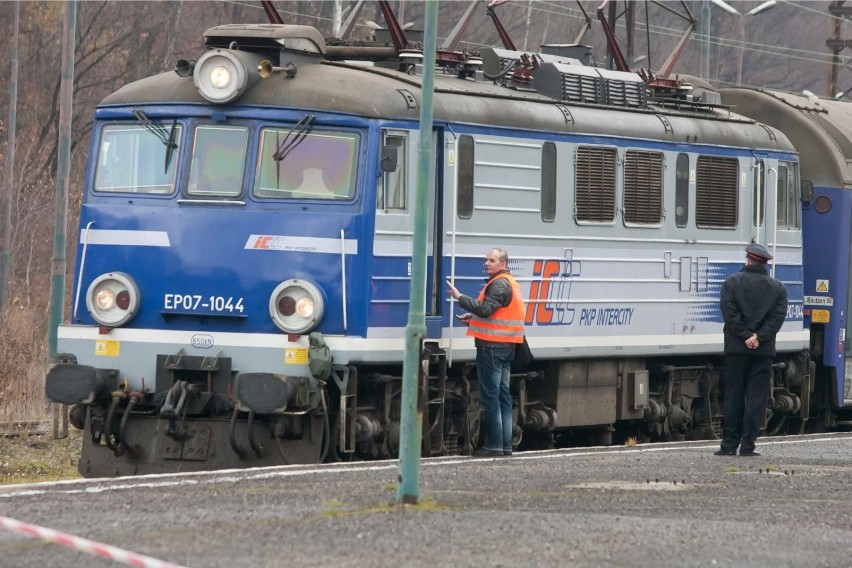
x,y
244,259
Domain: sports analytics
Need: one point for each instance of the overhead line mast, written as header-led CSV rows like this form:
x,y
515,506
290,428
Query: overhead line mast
x,y
839,14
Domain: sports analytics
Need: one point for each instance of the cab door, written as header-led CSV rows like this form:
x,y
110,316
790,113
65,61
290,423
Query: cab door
x,y
394,232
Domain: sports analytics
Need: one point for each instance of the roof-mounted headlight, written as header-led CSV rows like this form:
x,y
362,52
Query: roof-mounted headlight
x,y
222,75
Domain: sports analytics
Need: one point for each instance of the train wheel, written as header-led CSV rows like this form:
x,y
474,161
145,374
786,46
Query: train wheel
x,y
603,437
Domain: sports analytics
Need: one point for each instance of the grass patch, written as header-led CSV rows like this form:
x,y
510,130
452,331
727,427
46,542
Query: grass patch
x,y
30,459
22,368
630,441
427,504
24,457
343,512
336,509
732,469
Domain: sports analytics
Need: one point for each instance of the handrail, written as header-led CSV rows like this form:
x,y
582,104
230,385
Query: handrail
x,y
82,266
450,315
343,272
775,223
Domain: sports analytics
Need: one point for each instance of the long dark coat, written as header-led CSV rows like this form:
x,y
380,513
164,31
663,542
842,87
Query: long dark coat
x,y
752,302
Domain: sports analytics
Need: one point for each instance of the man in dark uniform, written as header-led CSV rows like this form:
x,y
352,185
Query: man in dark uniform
x,y
754,306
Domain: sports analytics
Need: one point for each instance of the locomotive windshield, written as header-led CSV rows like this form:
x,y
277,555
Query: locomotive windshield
x,y
218,158
320,166
131,160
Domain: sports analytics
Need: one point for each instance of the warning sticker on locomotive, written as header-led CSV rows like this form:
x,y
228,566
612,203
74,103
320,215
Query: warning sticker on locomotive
x,y
822,285
819,301
107,347
295,356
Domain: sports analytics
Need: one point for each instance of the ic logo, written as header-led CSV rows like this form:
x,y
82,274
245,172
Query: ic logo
x,y
550,292
202,341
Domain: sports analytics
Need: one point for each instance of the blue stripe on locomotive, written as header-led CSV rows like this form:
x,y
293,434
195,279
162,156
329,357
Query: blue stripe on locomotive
x,y
790,275
393,295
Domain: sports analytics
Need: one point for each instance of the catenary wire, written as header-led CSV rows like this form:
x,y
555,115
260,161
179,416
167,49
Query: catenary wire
x,y
752,47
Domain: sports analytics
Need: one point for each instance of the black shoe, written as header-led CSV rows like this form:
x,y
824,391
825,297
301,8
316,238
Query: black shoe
x,y
749,454
483,453
507,454
723,452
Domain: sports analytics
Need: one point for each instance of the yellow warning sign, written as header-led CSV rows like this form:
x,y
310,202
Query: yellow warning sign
x,y
820,316
295,356
107,347
822,286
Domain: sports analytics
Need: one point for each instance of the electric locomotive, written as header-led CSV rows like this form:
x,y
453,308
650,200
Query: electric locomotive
x,y
244,259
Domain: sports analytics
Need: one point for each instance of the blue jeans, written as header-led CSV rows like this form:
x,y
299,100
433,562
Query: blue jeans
x,y
492,368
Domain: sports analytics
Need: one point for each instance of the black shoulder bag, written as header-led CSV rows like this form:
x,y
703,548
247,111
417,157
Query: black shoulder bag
x,y
523,356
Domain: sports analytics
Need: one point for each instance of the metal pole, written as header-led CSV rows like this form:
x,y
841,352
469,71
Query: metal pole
x,y
630,21
6,217
66,93
836,44
742,49
412,413
610,56
705,43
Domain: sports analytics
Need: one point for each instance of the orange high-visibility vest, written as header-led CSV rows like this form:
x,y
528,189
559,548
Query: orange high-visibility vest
x,y
506,324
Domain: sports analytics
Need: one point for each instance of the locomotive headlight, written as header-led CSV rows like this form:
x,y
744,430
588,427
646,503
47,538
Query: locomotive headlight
x,y
104,300
305,307
222,75
113,299
296,306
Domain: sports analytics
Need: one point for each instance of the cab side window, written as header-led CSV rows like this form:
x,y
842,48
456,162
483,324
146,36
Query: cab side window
x,y
391,191
787,196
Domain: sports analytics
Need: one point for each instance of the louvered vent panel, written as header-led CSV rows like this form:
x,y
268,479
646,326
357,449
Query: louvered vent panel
x,y
574,83
643,188
624,94
595,184
716,192
580,88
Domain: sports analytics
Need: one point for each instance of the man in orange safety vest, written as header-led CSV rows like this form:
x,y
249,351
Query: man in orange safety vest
x,y
496,322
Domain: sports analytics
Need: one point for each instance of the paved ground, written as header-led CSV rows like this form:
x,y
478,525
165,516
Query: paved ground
x,y
658,505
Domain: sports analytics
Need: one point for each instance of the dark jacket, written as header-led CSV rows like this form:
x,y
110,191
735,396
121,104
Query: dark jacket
x,y
752,302
498,293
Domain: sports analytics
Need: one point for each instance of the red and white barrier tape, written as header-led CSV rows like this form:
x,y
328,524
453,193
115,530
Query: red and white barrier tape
x,y
84,545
